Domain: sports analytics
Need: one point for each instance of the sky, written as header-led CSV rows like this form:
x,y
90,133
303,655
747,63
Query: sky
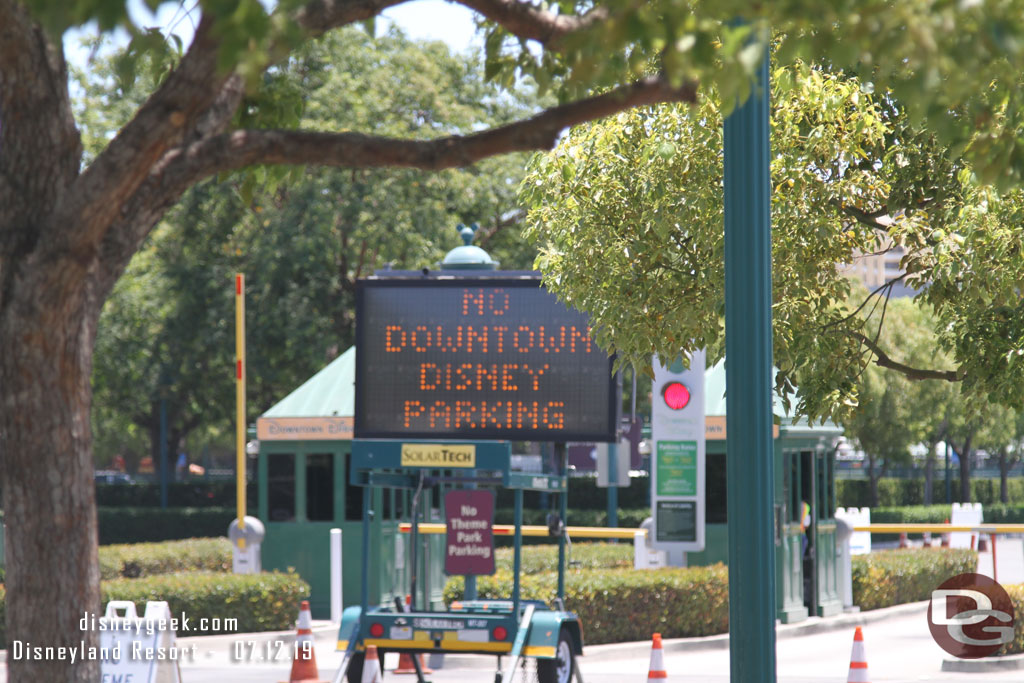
x,y
421,19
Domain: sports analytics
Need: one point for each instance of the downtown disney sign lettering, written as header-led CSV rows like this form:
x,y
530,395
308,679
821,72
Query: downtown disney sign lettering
x,y
498,360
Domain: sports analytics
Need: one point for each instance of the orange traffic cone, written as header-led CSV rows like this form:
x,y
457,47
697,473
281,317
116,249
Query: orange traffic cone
x,y
858,660
371,666
945,537
304,664
903,539
405,663
657,660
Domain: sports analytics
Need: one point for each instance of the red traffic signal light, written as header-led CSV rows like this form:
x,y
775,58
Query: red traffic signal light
x,y
676,395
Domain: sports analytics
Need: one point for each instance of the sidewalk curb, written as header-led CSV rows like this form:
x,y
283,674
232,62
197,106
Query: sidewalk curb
x,y
721,641
615,651
984,665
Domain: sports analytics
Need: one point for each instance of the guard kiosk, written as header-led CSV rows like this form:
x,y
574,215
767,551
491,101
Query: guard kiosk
x,y
303,466
807,571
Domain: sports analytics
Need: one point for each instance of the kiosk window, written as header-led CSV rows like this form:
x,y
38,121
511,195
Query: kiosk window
x,y
716,502
281,487
320,487
353,494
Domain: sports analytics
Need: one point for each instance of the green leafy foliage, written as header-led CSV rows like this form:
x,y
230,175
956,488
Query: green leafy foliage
x,y
149,524
538,559
893,577
628,215
619,605
899,492
195,493
260,602
138,560
1016,646
301,235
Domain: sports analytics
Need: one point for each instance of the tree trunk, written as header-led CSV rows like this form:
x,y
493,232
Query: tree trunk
x,y
873,476
929,475
1004,466
52,571
965,469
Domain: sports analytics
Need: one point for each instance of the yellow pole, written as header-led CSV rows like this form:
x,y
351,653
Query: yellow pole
x,y
240,402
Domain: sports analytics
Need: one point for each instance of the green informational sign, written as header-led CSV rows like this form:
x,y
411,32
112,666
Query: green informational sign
x,y
677,468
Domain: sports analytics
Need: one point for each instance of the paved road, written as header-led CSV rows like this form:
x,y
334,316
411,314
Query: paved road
x,y
899,650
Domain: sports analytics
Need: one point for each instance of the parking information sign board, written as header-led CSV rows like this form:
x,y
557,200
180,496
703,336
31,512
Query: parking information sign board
x,y
477,358
677,459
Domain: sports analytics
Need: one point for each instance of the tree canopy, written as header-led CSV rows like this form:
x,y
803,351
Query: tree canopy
x,y
70,222
302,243
628,212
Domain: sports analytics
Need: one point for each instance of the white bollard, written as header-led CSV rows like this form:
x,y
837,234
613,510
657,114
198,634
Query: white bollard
x,y
336,576
844,534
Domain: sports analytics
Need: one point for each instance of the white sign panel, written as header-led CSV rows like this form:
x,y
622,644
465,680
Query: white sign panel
x,y
138,650
677,455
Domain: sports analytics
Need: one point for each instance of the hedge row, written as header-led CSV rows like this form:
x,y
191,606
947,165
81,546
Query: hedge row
x,y
197,493
149,559
538,559
893,577
259,602
145,524
894,491
1016,646
584,494
995,513
619,605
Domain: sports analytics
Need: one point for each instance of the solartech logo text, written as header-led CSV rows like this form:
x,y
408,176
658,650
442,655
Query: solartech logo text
x,y
971,616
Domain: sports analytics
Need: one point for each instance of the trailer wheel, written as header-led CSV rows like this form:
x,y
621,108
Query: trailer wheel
x,y
560,668
355,668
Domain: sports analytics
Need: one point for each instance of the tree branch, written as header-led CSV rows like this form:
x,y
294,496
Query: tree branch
x,y
99,194
879,220
354,150
320,16
883,360
40,150
530,22
183,167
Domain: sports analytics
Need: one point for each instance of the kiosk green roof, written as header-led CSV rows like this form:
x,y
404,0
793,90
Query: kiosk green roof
x,y
329,393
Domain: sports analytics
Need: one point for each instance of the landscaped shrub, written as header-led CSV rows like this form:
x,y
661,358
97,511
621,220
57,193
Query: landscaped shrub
x,y
193,493
146,559
618,605
908,514
893,577
537,559
148,524
1003,513
627,519
898,491
260,602
1016,646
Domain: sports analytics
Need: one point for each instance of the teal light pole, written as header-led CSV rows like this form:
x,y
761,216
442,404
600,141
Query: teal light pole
x,y
748,352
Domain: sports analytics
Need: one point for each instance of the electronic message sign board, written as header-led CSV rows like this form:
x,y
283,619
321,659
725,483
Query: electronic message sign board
x,y
477,359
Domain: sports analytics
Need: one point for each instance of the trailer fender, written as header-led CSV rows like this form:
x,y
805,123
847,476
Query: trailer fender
x,y
544,632
349,620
